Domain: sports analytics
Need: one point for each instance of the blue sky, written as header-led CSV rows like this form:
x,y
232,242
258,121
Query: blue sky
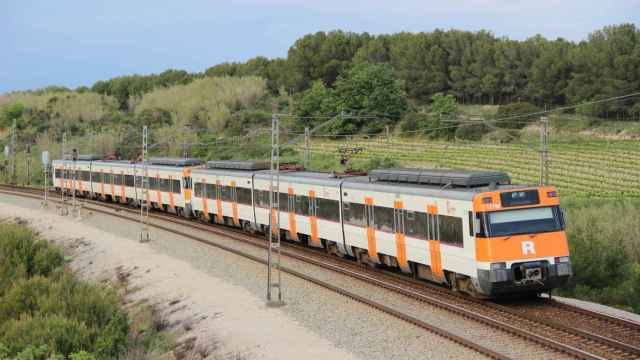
x,y
77,42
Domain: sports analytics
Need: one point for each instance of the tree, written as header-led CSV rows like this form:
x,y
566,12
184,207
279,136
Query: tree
x,y
371,96
315,101
443,110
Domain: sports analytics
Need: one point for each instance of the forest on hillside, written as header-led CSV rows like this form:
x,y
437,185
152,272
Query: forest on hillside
x,y
364,82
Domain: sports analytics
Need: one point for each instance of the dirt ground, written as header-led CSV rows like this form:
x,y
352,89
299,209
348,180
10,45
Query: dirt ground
x,y
213,318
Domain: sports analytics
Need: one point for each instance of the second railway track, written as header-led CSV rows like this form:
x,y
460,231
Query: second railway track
x,y
519,320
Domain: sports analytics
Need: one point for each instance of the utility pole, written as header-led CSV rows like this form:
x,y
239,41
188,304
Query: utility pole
x,y
64,211
45,165
14,141
307,147
544,151
144,184
28,161
74,178
274,275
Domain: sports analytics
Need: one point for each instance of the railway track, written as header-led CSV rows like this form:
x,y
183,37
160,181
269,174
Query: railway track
x,y
543,326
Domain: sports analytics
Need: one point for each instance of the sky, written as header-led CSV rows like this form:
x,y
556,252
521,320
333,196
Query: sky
x,y
77,42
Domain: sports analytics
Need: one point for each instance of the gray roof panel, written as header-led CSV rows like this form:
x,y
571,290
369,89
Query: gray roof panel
x,y
440,177
250,165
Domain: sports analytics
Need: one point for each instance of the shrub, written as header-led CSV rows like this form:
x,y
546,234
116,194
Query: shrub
x,y
44,310
24,256
59,334
471,132
516,115
604,252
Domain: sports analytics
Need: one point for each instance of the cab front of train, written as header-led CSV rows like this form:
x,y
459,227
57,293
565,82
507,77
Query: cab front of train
x,y
521,244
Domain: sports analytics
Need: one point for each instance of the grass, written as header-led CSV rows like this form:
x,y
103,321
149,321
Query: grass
x,y
594,168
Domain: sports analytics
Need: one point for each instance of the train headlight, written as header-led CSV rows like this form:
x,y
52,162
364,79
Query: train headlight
x,y
498,266
562,259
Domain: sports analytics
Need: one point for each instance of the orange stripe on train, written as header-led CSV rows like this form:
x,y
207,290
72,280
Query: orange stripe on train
x,y
434,245
401,246
517,247
313,221
293,230
372,246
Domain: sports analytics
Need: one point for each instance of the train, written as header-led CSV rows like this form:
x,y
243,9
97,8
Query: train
x,y
473,231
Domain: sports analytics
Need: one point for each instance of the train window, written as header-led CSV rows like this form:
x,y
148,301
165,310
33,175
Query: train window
x,y
261,198
95,177
302,205
117,179
86,176
470,223
58,173
383,218
226,193
210,191
128,180
187,182
482,225
176,186
416,224
354,214
450,229
164,184
197,189
106,178
244,195
153,183
327,209
284,202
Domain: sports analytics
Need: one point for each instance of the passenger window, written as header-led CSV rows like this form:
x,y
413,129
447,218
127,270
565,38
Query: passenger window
x,y
450,229
384,218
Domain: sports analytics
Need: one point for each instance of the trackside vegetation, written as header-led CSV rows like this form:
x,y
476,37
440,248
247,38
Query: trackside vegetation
x,y
48,313
604,242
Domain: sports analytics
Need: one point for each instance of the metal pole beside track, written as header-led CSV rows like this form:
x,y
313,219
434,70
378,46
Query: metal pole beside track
x,y
64,211
144,185
544,151
274,275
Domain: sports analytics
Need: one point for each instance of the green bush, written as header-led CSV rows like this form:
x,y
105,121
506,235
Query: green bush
x,y
22,255
60,334
603,241
516,115
44,310
473,132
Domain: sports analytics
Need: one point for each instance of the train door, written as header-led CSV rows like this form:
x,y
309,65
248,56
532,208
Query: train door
x,y
291,212
219,214
234,203
372,245
313,219
433,237
399,230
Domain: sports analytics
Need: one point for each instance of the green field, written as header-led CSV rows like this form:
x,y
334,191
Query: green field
x,y
597,168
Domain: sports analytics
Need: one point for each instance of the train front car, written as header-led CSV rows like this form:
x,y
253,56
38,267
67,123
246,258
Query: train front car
x,y
521,246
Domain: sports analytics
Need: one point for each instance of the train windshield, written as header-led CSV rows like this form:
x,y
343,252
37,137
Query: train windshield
x,y
525,221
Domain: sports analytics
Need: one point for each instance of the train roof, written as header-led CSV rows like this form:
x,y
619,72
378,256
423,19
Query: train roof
x,y
442,177
459,193
246,165
176,162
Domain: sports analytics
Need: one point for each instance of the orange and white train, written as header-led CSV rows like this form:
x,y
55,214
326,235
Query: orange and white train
x,y
471,230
